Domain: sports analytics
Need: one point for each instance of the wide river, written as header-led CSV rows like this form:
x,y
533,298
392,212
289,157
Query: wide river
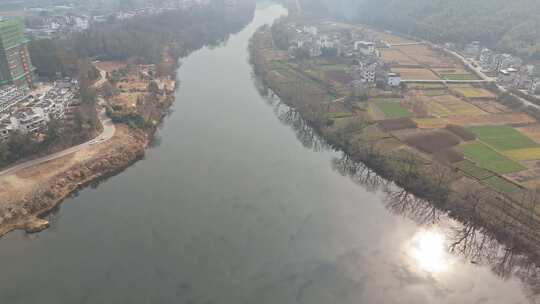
x,y
234,206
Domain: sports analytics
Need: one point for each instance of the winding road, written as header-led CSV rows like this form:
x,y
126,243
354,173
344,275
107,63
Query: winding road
x,y
108,132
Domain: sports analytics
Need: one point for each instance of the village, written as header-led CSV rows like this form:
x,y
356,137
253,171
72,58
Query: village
x,y
29,111
59,21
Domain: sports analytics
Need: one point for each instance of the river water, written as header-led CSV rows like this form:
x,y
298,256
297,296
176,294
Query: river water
x,y
231,207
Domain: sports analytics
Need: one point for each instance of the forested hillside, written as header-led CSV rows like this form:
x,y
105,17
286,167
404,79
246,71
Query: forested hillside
x,y
506,25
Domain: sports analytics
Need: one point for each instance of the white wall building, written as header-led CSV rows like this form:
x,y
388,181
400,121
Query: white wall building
x,y
394,80
365,47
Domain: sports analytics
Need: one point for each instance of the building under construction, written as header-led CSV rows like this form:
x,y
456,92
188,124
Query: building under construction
x,y
15,65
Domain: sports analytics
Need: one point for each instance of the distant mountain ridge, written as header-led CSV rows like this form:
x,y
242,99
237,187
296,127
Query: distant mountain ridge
x,y
508,25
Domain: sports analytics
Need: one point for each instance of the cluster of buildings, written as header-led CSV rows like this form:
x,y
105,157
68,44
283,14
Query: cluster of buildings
x,y
19,108
511,71
60,21
35,112
359,47
45,26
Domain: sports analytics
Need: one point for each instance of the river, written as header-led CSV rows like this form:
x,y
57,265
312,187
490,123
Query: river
x,y
231,207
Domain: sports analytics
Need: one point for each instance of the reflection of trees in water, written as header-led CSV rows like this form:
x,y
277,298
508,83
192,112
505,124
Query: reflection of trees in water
x,y
468,240
292,118
359,173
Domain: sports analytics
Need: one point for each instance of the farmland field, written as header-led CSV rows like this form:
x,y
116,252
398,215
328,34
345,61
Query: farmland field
x,y
492,119
392,55
524,154
393,39
425,86
502,185
415,74
458,77
392,109
425,55
489,158
437,92
455,106
503,138
473,170
491,106
473,92
532,131
431,123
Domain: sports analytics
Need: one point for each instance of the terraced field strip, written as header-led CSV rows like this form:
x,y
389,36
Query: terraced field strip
x,y
473,92
502,185
431,123
524,154
489,159
503,138
471,169
392,109
457,107
436,92
426,86
416,74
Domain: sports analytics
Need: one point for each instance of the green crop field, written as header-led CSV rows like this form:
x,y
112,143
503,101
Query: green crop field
x,y
503,138
458,77
437,92
473,170
488,158
502,185
393,109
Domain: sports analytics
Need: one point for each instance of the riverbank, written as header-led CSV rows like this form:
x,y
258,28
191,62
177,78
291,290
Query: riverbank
x,y
29,192
344,122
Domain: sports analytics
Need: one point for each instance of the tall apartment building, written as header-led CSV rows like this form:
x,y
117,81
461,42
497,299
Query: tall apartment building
x,y
15,65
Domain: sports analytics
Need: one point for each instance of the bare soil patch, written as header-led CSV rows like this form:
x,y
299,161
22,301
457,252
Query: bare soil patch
x,y
431,142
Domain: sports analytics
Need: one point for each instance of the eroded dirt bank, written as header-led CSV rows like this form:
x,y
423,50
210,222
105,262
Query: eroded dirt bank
x,y
29,193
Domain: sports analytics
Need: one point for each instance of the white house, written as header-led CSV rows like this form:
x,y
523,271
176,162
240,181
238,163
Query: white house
x,y
507,76
31,119
394,80
7,125
364,47
311,30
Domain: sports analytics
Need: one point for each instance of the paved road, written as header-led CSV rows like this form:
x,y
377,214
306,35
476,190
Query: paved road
x,y
406,44
108,132
479,72
445,81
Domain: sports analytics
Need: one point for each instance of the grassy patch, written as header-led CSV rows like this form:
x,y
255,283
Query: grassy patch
x,y
502,185
393,109
473,170
488,158
503,137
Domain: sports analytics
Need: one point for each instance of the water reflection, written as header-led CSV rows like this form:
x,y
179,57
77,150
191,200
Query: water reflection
x,y
440,240
428,249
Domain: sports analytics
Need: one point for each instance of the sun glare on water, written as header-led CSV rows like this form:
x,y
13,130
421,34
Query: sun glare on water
x,y
427,248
